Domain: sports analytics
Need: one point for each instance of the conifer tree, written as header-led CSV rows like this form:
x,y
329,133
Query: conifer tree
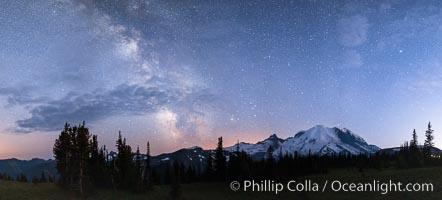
x,y
94,161
118,168
62,154
103,177
147,171
414,142
78,158
428,144
220,160
123,164
83,151
138,177
412,152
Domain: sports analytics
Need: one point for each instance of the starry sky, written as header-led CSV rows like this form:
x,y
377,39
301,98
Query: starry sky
x,y
180,73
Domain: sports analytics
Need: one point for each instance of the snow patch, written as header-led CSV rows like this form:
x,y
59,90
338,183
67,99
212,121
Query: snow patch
x,y
165,159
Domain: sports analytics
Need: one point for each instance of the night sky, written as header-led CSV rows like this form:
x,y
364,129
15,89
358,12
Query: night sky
x,y
181,73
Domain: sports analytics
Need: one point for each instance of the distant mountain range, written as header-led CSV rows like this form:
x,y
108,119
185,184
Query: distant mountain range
x,y
30,168
318,140
434,150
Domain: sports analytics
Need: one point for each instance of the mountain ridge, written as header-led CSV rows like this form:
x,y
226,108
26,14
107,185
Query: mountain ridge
x,y
318,140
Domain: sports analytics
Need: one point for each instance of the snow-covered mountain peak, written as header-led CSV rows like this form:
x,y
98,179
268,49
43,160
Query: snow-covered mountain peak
x,y
318,133
319,139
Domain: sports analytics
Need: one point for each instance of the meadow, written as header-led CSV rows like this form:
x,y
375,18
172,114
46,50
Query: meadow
x,y
222,191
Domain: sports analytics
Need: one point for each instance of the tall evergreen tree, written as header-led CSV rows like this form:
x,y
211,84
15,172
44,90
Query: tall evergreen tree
x,y
104,178
138,177
94,161
83,151
147,171
62,154
428,144
414,142
220,160
118,163
123,164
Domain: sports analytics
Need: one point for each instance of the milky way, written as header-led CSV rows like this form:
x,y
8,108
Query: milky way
x,y
182,73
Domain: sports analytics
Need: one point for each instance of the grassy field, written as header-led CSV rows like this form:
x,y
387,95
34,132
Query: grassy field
x,y
203,191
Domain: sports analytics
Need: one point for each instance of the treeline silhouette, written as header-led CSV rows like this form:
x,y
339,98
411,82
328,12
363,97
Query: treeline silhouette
x,y
292,165
21,177
83,166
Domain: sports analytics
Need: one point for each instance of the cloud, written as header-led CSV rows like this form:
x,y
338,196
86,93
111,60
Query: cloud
x,y
352,31
124,99
20,96
105,63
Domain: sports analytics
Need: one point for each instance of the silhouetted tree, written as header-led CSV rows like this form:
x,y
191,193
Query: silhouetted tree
x,y
123,164
428,144
77,156
220,160
98,168
83,151
138,177
414,142
147,171
62,153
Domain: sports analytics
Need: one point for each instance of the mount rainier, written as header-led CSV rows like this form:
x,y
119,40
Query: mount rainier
x,y
318,140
